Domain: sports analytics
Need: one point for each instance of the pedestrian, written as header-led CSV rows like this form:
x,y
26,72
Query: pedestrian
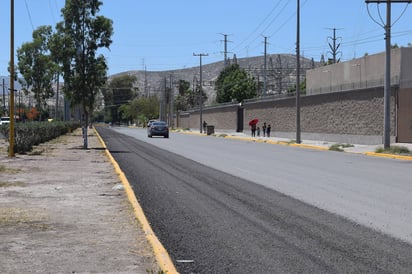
x,y
253,126
264,129
204,126
258,131
268,131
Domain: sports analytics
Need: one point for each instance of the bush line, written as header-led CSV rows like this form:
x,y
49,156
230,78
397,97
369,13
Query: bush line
x,y
31,134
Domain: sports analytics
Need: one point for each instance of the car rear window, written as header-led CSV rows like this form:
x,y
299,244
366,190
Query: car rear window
x,y
159,123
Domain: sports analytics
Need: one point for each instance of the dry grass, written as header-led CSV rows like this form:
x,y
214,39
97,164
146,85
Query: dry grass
x,y
4,169
12,184
12,216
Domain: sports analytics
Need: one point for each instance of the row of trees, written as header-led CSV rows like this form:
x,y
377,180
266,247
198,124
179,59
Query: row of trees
x,y
70,51
123,104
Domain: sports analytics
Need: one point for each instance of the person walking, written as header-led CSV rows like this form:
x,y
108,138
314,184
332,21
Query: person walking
x,y
264,129
258,131
268,131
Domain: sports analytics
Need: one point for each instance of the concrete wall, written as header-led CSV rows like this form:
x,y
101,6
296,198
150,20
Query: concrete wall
x,y
351,117
344,103
222,117
361,73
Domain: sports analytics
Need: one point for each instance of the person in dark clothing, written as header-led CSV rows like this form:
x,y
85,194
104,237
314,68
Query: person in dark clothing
x,y
204,126
253,127
268,131
264,129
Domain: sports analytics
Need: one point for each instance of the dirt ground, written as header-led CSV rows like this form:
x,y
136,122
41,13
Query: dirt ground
x,y
63,210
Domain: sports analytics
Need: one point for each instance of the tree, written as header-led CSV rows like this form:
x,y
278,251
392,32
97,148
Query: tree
x,y
37,67
83,33
120,91
187,98
144,109
234,84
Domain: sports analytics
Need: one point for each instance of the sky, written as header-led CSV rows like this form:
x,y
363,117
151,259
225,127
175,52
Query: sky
x,y
162,35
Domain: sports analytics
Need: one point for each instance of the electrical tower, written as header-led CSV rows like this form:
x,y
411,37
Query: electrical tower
x,y
334,46
225,52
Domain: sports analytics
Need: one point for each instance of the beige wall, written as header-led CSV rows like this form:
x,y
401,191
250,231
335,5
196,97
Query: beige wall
x,y
365,72
352,117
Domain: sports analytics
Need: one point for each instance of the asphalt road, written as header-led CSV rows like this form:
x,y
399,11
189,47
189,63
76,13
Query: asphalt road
x,y
211,221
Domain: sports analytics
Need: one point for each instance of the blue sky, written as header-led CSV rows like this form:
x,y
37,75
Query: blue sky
x,y
163,34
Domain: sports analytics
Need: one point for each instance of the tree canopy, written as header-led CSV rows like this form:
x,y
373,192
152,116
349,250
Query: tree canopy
x,y
83,33
119,92
186,99
36,65
234,84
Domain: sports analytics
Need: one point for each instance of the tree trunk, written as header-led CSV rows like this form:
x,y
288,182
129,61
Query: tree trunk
x,y
86,122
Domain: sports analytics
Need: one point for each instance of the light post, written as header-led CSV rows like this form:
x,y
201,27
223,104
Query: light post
x,y
298,141
11,102
200,90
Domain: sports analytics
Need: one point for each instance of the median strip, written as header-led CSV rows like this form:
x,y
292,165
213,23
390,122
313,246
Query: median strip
x,y
160,252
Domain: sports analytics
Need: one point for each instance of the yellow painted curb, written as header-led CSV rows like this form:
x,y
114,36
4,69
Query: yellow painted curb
x,y
160,252
309,146
392,156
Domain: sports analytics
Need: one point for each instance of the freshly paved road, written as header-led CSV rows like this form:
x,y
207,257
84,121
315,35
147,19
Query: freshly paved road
x,y
217,222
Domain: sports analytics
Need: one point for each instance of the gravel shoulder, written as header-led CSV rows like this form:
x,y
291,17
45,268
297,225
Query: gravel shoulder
x,y
63,210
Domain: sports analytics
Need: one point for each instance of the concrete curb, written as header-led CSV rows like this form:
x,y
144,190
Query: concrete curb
x,y
163,258
392,156
374,154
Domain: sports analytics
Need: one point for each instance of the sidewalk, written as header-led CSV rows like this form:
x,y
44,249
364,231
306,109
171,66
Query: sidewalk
x,y
312,144
64,210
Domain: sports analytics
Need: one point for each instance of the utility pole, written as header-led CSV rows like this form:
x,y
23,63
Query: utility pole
x,y
171,102
298,141
11,103
334,47
4,98
163,101
200,90
265,72
387,88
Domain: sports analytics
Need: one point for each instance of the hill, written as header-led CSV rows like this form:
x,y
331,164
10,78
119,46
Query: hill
x,y
281,74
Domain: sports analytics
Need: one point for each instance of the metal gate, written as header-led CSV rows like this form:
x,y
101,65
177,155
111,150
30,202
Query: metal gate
x,y
240,118
405,115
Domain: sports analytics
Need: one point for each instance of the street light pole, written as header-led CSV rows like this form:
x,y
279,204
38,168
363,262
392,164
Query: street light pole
x,y
200,89
298,140
11,102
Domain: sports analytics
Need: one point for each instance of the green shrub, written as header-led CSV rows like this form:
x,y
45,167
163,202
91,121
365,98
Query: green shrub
x,y
30,134
339,147
394,150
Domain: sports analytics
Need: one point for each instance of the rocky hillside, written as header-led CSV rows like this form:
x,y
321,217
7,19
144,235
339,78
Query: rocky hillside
x,y
281,74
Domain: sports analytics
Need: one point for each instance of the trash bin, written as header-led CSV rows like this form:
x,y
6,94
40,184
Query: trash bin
x,y
210,129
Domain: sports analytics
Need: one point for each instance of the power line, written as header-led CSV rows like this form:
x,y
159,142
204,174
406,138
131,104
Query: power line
x,y
258,26
28,13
